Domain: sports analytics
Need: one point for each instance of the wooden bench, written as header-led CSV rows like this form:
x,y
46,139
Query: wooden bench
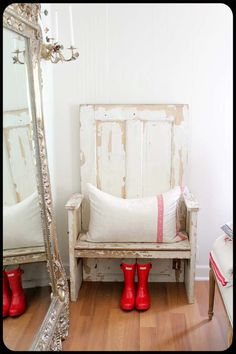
x,y
132,151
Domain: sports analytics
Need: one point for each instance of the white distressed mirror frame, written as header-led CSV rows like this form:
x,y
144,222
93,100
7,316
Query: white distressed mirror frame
x,y
22,18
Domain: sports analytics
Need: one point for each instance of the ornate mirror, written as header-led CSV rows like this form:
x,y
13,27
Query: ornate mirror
x,y
35,289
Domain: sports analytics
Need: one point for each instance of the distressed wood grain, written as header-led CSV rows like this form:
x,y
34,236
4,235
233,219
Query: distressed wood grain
x,y
74,202
110,152
133,179
190,201
19,159
132,150
24,255
109,270
157,164
82,244
74,226
104,253
88,163
190,263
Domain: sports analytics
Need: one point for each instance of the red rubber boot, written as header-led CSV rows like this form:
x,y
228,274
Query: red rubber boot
x,y
6,295
127,300
18,301
142,298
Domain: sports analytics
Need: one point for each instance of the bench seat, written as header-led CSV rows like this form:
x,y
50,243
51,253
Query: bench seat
x,y
87,249
24,255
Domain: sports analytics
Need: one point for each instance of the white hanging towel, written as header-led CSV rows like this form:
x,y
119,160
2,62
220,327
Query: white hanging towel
x,y
221,257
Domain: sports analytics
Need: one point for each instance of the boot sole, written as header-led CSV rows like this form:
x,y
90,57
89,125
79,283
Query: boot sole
x,y
142,308
127,308
16,314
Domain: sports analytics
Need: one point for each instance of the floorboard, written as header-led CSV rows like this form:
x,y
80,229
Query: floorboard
x,y
171,324
98,324
18,332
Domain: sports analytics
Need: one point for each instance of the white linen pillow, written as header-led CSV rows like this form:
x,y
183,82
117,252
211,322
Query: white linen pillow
x,y
150,219
22,226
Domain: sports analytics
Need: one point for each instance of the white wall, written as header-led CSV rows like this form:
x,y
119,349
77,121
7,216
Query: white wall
x,y
14,75
148,53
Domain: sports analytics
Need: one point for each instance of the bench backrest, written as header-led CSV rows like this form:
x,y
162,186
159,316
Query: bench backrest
x,y
132,150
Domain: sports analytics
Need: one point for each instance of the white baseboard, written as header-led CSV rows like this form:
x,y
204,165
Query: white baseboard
x,y
202,272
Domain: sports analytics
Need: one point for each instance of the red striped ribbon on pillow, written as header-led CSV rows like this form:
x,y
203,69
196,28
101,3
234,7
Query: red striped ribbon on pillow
x,y
217,272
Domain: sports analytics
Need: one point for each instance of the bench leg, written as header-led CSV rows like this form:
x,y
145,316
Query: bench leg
x,y
190,264
211,293
76,264
177,267
189,279
76,277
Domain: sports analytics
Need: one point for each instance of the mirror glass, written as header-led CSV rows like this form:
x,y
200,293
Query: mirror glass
x,y
26,290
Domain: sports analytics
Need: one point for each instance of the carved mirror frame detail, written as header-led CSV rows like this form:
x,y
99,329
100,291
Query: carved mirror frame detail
x,y
23,19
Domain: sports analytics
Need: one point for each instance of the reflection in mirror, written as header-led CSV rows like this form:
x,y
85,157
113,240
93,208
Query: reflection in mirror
x,y
26,290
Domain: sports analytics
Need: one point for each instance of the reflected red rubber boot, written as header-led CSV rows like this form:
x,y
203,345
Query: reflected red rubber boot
x,y
142,301
127,300
18,300
6,293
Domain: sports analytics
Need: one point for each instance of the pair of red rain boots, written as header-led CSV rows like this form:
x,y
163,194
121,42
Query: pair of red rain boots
x,y
131,298
14,300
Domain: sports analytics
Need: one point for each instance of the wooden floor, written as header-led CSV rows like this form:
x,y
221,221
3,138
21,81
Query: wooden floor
x,y
97,322
171,324
18,332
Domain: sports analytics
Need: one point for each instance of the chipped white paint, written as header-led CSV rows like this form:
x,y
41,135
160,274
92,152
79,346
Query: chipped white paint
x,y
74,202
156,160
134,162
132,151
88,157
19,160
9,192
132,254
24,255
74,228
152,112
109,270
111,157
82,244
179,146
16,117
190,201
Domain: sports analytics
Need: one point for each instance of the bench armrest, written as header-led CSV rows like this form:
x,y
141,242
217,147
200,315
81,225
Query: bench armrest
x,y
74,202
190,201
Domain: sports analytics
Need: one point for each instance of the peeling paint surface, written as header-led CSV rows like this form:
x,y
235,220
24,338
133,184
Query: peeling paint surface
x,y
146,139
109,270
18,157
82,158
131,150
